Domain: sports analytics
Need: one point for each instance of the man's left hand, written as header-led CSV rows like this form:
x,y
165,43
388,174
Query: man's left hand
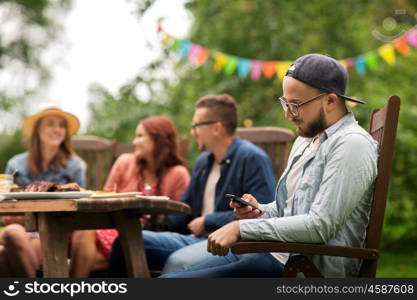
x,y
220,241
196,226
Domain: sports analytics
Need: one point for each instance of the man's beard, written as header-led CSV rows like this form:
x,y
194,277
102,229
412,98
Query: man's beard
x,y
314,128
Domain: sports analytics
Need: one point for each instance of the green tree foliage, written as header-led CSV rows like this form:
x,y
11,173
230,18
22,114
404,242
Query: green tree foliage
x,y
27,28
282,30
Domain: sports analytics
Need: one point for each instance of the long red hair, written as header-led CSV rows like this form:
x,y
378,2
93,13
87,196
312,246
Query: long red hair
x,y
166,146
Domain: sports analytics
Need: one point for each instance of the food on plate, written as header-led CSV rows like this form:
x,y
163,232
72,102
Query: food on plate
x,y
47,186
15,188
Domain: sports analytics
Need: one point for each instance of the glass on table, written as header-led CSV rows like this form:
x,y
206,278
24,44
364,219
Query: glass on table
x,y
6,182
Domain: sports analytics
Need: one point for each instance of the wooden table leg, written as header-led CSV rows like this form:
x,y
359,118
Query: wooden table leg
x,y
54,235
130,234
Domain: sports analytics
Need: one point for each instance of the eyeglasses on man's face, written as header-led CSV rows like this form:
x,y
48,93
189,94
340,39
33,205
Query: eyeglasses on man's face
x,y
292,107
195,125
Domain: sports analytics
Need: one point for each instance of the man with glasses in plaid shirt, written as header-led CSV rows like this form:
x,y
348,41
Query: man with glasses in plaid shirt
x,y
227,165
325,192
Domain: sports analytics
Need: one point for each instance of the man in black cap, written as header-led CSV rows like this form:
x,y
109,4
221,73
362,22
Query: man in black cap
x,y
323,196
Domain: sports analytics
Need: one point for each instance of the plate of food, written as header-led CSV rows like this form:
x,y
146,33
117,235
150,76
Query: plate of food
x,y
45,195
46,190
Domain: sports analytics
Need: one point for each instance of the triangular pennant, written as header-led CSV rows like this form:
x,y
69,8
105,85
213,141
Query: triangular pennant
x,y
256,66
204,54
269,68
185,48
219,61
230,65
243,67
387,53
175,45
350,63
360,65
194,53
343,63
411,37
371,59
282,67
167,39
401,45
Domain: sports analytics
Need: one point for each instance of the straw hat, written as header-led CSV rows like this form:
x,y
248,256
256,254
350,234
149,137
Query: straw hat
x,y
72,121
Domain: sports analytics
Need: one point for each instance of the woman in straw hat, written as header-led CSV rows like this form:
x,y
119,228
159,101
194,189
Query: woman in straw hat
x,y
50,158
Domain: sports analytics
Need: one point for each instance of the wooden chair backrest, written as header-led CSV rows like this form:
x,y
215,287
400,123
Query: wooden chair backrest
x,y
383,128
97,154
275,141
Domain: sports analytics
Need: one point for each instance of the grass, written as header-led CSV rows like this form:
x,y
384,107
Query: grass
x,y
398,262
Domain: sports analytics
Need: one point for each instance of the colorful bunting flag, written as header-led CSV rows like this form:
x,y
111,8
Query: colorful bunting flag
x,y
256,69
194,53
411,37
401,46
243,67
167,39
350,63
282,67
219,61
269,68
185,47
174,45
230,64
204,54
371,59
360,65
387,53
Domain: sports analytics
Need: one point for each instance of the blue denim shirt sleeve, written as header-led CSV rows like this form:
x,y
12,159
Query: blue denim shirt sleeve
x,y
348,176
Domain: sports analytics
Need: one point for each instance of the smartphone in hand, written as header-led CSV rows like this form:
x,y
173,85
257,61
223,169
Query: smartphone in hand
x,y
241,201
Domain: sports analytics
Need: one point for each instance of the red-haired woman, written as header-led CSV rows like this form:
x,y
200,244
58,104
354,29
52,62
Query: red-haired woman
x,y
155,167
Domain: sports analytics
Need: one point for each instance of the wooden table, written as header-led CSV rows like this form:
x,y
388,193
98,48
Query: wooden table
x,y
56,219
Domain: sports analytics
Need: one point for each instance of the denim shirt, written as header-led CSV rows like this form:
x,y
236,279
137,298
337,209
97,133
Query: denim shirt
x,y
244,169
333,199
73,172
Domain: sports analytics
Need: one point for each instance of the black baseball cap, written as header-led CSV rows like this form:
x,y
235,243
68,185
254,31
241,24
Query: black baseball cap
x,y
322,72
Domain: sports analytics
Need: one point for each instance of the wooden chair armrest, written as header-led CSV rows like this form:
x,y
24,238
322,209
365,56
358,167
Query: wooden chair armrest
x,y
303,248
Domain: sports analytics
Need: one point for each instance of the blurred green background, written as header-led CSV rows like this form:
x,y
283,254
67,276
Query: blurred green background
x,y
263,30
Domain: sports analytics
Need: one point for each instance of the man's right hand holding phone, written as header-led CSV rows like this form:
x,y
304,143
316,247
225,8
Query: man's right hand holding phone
x,y
246,212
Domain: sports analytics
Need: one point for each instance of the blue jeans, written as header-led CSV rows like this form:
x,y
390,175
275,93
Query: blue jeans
x,y
233,265
186,257
158,247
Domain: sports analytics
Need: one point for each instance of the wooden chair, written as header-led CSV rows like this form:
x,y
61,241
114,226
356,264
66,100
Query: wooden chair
x,y
97,153
272,140
383,128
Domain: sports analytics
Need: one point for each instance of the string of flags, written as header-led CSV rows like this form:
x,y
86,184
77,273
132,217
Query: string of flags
x,y
244,67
